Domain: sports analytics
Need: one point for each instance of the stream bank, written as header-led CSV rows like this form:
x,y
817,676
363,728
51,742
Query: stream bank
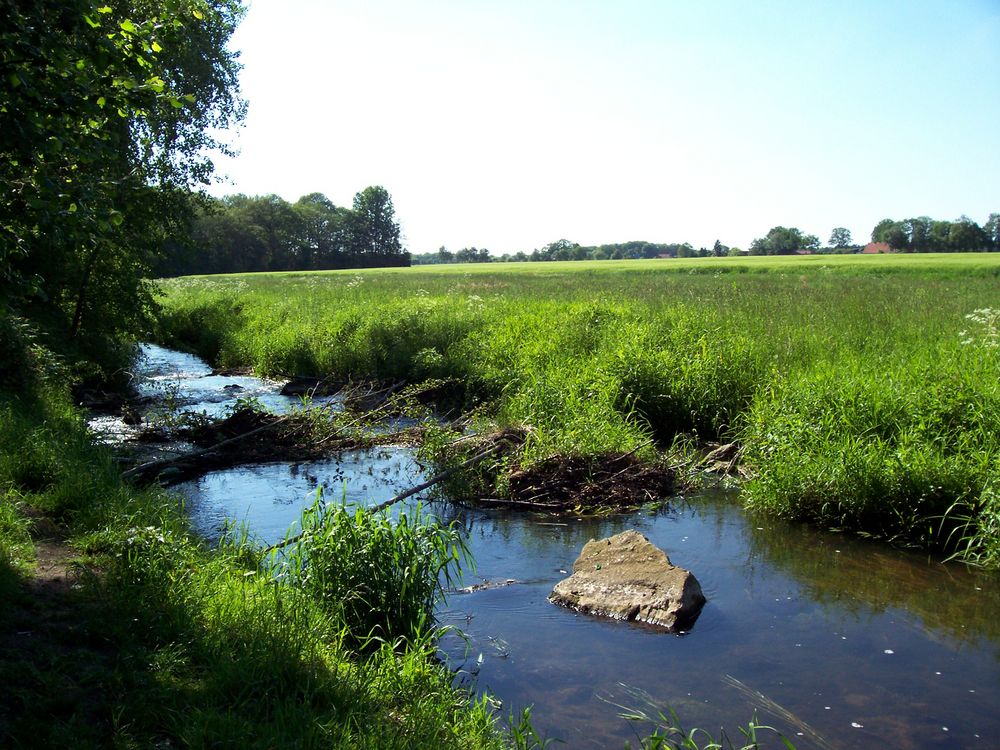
x,y
867,645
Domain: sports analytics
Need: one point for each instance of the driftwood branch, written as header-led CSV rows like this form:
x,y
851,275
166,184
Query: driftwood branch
x,y
164,463
436,479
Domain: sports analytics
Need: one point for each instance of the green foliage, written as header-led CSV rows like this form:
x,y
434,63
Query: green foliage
x,y
105,119
846,377
840,237
239,234
886,451
784,241
16,548
380,578
661,729
925,235
669,734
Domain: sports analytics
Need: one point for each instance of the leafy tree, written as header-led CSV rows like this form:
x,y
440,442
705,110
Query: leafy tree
x,y
921,239
322,232
894,233
965,235
783,241
840,237
107,117
562,250
374,233
992,229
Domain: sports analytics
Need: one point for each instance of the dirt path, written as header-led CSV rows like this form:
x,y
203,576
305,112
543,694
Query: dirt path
x,y
54,666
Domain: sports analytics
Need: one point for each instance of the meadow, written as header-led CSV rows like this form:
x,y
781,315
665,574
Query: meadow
x,y
862,389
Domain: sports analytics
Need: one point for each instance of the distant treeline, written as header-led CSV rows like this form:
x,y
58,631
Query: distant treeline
x,y
566,250
926,235
921,235
239,234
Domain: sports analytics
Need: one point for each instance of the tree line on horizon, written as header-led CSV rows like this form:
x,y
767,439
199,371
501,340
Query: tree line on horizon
x,y
242,234
926,235
911,235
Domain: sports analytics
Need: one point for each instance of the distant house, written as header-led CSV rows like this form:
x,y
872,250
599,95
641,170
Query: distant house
x,y
664,255
873,248
804,252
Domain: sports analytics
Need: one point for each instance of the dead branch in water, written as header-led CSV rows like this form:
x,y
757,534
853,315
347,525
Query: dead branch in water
x,y
164,463
437,479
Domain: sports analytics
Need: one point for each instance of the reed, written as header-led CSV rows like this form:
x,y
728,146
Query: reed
x,y
379,577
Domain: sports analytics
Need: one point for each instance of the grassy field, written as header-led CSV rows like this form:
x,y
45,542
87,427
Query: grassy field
x,y
863,393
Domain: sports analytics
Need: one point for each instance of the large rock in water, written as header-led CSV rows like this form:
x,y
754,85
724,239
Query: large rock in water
x,y
627,578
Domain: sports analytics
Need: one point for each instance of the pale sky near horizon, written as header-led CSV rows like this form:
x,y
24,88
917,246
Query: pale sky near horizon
x,y
508,125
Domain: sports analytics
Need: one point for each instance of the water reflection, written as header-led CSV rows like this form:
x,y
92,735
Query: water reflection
x,y
870,646
958,603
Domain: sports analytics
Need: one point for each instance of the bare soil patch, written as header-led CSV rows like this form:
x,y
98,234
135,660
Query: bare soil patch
x,y
53,663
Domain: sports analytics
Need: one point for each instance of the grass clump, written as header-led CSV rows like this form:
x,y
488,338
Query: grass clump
x,y
863,391
377,576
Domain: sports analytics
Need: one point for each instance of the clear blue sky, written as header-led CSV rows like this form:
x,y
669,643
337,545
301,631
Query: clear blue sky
x,y
509,125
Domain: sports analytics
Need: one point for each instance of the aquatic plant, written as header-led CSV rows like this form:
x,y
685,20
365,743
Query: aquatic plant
x,y
378,576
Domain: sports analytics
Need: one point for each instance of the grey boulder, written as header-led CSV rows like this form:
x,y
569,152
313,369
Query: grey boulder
x,y
625,577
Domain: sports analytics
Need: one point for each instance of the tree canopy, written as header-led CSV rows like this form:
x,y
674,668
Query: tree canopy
x,y
240,233
107,122
784,241
925,235
840,237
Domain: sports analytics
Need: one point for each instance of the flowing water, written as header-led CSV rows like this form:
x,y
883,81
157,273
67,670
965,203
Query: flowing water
x,y
826,635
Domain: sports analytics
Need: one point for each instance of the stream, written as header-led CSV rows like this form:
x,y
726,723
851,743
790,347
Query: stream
x,y
824,634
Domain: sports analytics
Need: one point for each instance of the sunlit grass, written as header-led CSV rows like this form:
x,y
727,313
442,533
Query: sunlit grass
x,y
864,394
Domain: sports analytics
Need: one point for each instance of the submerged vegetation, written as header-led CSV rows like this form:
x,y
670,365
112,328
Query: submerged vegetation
x,y
862,394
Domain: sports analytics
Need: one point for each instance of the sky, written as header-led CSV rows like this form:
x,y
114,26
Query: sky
x,y
511,124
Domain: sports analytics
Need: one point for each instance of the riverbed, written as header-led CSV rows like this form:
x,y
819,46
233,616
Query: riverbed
x,y
825,635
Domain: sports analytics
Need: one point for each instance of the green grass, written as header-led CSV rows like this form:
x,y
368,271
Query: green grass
x,y
378,577
167,642
864,396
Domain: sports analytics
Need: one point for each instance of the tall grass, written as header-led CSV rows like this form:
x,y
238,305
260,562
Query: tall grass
x,y
173,643
847,380
379,577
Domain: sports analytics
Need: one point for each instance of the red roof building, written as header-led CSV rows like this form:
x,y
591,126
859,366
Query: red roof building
x,y
873,248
